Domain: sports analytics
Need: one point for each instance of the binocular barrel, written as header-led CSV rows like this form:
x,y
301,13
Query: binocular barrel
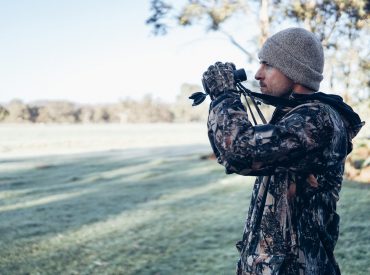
x,y
240,75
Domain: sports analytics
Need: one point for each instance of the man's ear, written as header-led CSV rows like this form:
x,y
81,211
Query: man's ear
x,y
300,89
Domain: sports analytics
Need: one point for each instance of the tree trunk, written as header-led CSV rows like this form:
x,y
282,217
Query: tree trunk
x,y
264,21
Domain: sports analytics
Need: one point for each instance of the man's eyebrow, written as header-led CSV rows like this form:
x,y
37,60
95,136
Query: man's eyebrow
x,y
263,62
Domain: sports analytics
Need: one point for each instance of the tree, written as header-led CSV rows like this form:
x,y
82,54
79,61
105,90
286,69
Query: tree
x,y
56,112
182,109
146,110
19,112
327,19
3,113
342,28
341,25
211,14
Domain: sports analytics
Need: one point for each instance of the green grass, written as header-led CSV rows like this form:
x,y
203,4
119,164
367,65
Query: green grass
x,y
147,211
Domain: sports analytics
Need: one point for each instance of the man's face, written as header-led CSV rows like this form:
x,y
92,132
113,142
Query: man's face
x,y
272,81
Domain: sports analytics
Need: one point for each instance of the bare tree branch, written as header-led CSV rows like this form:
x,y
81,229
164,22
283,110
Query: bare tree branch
x,y
235,43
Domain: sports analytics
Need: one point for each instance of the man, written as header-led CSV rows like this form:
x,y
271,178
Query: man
x,y
292,225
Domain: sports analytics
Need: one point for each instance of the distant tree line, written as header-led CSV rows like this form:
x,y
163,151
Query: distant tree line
x,y
146,110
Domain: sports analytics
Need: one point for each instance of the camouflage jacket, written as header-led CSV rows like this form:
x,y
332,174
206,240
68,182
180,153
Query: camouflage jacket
x,y
292,224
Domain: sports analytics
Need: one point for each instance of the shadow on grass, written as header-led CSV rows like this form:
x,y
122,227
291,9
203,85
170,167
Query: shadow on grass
x,y
64,196
143,211
192,231
101,184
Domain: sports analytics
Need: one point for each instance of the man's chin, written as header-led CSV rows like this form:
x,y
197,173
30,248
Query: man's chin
x,y
268,93
265,91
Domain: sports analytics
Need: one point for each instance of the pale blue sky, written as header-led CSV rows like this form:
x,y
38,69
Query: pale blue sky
x,y
100,51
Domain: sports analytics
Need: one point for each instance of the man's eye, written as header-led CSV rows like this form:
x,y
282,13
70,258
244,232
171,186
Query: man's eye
x,y
266,64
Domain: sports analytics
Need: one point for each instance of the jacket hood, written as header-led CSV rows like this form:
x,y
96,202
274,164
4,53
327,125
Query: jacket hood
x,y
351,119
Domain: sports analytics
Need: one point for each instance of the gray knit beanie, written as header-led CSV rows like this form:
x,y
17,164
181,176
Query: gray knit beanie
x,y
298,54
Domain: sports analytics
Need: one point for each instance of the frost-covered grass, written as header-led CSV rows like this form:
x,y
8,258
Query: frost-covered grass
x,y
152,210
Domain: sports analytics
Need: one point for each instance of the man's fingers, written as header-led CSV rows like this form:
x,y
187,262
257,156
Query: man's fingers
x,y
219,78
231,66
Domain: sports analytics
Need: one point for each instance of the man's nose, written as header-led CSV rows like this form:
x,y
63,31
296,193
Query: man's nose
x,y
258,75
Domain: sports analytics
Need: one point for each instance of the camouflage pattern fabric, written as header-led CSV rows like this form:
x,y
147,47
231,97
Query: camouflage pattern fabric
x,y
292,225
219,78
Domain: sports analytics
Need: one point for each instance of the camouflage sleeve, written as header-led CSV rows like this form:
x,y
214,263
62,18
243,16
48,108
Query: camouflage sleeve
x,y
245,149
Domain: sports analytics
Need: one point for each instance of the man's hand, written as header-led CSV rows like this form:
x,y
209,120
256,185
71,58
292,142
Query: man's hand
x,y
219,78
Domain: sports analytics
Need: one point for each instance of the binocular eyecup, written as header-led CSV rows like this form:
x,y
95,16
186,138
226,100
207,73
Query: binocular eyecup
x,y
240,75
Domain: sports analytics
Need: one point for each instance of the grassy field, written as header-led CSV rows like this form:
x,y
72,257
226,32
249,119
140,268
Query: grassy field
x,y
154,210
